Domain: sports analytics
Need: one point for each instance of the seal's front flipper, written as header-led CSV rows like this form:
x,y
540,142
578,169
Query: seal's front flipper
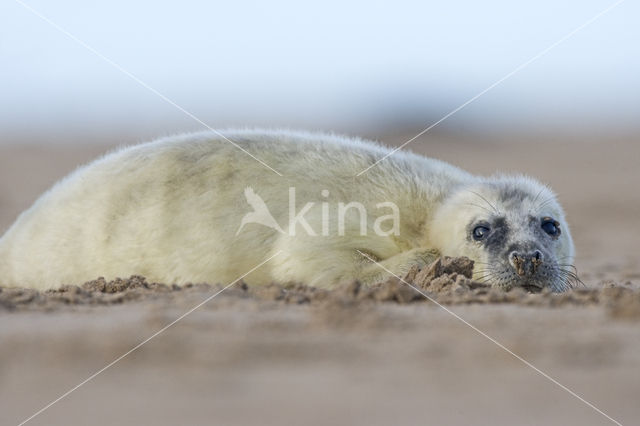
x,y
374,271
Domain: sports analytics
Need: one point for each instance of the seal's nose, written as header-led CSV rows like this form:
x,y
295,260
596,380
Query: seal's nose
x,y
526,264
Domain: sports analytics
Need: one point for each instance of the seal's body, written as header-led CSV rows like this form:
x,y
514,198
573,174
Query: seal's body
x,y
196,208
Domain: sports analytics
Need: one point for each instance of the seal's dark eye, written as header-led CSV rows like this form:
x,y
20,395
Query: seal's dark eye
x,y
480,232
550,226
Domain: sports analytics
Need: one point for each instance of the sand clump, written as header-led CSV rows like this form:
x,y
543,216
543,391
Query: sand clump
x,y
446,281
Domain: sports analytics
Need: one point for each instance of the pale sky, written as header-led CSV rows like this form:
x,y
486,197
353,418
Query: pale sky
x,y
332,64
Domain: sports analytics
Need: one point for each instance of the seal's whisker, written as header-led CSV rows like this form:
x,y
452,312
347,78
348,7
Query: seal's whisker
x,y
563,258
484,280
480,207
533,203
545,202
486,201
485,269
566,283
571,276
569,266
486,277
574,270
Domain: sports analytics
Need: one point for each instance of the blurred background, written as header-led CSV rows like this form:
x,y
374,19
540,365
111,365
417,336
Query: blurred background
x,y
366,67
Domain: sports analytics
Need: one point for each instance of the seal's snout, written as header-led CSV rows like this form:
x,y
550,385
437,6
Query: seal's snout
x,y
526,264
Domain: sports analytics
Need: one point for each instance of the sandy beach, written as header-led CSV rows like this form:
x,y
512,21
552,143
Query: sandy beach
x,y
280,355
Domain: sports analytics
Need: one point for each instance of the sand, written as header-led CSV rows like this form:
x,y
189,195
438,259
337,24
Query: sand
x,y
290,354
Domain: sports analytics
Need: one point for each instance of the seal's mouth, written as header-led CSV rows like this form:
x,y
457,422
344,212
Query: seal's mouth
x,y
531,288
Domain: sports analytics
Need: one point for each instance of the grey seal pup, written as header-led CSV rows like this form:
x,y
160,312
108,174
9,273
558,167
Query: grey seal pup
x,y
195,208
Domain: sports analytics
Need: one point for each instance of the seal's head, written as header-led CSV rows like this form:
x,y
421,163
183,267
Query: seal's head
x,y
512,228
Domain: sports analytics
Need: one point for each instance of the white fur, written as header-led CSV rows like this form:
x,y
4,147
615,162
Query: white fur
x,y
170,210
